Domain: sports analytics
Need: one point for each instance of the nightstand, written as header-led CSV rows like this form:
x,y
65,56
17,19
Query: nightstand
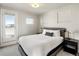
x,y
38,33
71,46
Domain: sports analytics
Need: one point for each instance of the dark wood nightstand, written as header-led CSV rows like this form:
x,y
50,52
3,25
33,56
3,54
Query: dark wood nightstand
x,y
38,33
71,46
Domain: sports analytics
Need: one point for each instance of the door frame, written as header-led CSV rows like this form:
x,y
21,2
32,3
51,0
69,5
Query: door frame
x,y
3,11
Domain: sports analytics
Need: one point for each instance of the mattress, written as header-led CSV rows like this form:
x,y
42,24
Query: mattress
x,y
39,44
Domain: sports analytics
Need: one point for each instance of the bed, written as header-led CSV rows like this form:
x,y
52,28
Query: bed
x,y
41,45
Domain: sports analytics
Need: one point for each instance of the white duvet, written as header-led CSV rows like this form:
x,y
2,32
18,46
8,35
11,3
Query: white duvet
x,y
39,45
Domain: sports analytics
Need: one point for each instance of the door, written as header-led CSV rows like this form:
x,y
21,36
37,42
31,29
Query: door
x,y
9,26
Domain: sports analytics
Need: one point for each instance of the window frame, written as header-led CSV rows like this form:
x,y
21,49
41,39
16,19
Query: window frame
x,y
31,22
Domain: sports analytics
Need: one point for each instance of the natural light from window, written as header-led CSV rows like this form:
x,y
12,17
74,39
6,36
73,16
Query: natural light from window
x,y
29,20
9,25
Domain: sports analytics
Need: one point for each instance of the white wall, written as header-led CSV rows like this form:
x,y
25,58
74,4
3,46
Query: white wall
x,y
67,16
23,28
49,19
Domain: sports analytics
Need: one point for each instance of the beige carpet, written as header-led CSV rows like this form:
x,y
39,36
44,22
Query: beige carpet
x,y
13,51
63,53
10,51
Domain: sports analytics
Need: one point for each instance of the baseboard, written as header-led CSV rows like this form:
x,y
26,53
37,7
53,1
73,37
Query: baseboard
x,y
8,43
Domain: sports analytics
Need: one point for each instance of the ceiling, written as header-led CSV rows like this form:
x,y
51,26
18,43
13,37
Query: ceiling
x,y
44,7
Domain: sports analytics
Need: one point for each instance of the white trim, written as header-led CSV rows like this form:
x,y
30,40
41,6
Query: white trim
x,y
3,11
0,26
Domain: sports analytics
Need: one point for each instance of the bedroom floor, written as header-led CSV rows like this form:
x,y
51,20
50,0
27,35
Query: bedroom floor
x,y
13,51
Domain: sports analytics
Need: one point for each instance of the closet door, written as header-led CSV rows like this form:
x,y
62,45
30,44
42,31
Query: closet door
x,y
9,26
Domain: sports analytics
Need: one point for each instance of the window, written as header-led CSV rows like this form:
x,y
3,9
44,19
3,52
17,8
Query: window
x,y
29,20
9,25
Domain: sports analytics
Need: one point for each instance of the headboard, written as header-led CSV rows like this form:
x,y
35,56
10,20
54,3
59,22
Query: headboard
x,y
62,30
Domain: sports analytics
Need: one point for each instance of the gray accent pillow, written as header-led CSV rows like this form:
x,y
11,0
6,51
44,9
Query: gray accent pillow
x,y
49,34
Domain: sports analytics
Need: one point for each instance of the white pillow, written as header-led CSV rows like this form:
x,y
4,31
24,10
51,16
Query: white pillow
x,y
56,32
44,31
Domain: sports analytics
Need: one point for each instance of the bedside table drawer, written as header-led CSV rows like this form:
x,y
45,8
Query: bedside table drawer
x,y
70,43
67,49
